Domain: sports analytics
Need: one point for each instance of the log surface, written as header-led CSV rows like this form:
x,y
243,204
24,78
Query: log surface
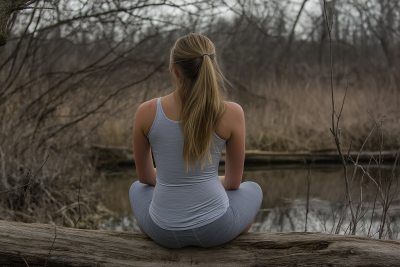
x,y
78,247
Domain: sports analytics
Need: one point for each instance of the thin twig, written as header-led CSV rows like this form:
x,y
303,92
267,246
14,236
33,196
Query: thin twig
x,y
331,68
79,191
362,147
394,175
55,236
47,8
372,215
333,217
8,176
365,212
365,172
308,197
348,152
335,131
389,230
344,98
25,261
386,203
359,206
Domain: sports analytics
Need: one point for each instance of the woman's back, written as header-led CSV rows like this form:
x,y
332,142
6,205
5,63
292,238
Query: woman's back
x,y
231,119
183,199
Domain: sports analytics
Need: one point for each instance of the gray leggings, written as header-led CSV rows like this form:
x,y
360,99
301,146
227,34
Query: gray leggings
x,y
244,204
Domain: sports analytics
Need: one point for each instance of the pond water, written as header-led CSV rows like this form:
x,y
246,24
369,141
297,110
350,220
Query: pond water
x,y
284,205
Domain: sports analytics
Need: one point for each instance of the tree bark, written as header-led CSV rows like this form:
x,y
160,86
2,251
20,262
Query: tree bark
x,y
77,247
7,7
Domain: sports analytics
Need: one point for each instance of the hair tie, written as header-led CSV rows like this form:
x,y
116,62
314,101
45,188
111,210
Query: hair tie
x,y
204,54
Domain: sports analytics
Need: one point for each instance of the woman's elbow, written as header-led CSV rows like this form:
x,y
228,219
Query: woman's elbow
x,y
236,187
233,186
141,177
147,178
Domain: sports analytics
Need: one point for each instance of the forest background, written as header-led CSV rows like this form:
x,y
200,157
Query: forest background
x,y
73,73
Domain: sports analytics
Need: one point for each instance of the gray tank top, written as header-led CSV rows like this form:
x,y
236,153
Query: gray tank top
x,y
183,200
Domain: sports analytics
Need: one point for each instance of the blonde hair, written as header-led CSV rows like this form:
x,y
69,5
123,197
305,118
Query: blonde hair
x,y
202,92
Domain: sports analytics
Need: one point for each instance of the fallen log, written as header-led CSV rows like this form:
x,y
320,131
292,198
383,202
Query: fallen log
x,y
20,242
116,155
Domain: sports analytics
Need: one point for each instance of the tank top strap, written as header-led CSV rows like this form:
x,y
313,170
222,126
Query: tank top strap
x,y
159,107
158,113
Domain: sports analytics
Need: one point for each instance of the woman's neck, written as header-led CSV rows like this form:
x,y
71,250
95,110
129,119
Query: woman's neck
x,y
177,99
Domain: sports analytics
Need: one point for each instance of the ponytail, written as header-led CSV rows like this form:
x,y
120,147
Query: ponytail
x,y
202,92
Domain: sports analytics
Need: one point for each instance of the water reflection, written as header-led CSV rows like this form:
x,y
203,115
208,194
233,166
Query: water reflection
x,y
284,203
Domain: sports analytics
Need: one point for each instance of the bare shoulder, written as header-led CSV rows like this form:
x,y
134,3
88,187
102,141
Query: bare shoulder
x,y
148,106
145,115
147,110
233,105
233,111
231,120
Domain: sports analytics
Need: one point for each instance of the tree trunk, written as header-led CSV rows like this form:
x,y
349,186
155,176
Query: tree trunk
x,y
76,247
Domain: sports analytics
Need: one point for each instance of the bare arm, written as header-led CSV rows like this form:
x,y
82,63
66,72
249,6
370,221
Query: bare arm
x,y
235,147
141,145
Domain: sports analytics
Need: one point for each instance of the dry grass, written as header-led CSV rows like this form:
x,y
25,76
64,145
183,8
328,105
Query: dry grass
x,y
53,196
296,116
293,116
116,133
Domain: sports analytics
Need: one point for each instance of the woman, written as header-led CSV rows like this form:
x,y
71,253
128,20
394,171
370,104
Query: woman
x,y
184,202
